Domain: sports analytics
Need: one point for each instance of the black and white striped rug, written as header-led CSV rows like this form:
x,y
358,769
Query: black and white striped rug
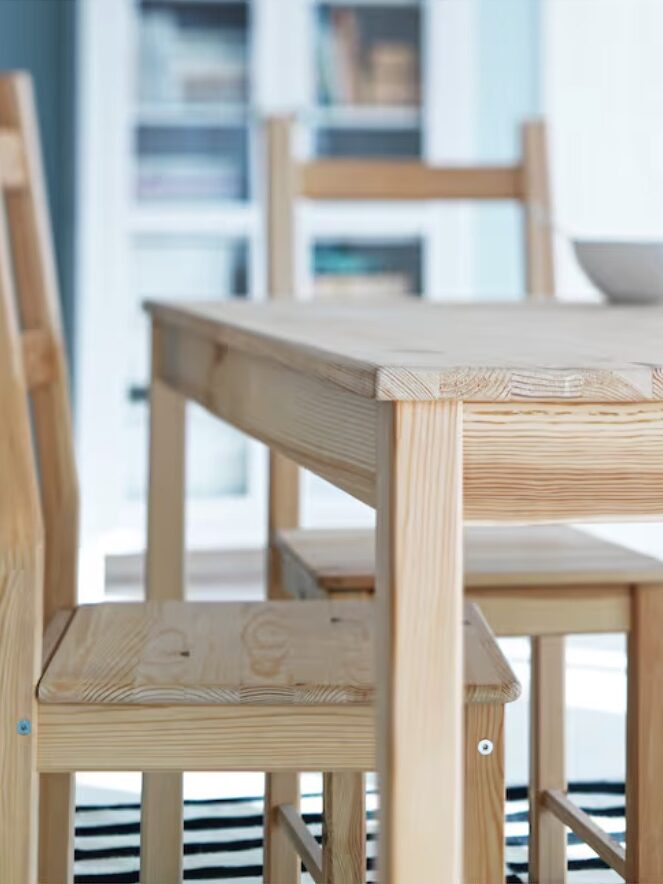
x,y
223,838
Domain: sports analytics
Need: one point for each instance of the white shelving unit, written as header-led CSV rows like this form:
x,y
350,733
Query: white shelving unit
x,y
173,93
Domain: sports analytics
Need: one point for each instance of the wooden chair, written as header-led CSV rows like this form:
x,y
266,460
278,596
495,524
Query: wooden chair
x,y
544,582
166,685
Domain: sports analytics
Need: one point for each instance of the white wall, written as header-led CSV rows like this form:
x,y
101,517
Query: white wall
x,y
603,95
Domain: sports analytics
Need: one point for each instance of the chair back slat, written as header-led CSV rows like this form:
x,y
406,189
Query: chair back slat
x,y
403,180
38,302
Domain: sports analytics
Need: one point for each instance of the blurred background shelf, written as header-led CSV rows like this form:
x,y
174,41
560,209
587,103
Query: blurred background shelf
x,y
177,91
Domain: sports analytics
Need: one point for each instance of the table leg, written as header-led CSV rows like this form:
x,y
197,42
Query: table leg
x,y
644,760
419,644
161,808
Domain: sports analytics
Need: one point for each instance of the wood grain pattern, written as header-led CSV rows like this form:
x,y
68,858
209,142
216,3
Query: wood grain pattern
x,y
484,796
280,860
241,653
322,427
203,653
496,557
243,738
13,173
344,828
21,583
514,453
547,462
547,840
420,351
419,643
57,806
39,309
53,635
161,829
33,263
644,764
303,841
585,828
162,794
355,179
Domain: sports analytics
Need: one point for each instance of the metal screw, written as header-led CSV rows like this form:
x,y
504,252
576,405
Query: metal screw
x,y
485,747
24,727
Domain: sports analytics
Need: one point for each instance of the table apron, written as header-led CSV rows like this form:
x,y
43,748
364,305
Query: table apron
x,y
522,461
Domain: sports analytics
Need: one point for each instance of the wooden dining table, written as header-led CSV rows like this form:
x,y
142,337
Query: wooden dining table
x,y
434,415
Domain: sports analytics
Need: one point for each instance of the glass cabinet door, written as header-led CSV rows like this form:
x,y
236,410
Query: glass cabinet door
x,y
192,128
368,79
183,268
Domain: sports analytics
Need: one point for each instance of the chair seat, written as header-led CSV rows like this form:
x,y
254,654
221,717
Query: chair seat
x,y
262,653
317,563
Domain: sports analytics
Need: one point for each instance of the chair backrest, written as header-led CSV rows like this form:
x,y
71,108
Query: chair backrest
x,y
31,332
525,182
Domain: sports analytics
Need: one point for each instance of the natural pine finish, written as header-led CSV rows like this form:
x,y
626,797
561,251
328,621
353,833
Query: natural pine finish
x,y
301,838
511,449
419,608
585,828
280,860
547,837
424,351
484,795
204,738
162,809
241,653
343,828
513,558
539,253
36,297
593,443
644,761
21,575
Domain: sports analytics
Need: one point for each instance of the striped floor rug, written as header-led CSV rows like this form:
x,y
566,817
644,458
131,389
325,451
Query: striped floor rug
x,y
223,838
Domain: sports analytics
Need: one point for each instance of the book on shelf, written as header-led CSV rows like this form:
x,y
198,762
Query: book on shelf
x,y
358,67
361,286
180,65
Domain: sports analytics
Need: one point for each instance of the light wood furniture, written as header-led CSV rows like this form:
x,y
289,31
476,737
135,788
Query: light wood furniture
x,y
425,413
166,685
291,182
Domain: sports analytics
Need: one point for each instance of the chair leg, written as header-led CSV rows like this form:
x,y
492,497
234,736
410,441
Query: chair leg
x,y
484,794
161,828
644,759
344,828
547,845
20,636
281,865
57,801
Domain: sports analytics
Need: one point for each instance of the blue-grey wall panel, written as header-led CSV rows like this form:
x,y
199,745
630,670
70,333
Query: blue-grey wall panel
x,y
40,36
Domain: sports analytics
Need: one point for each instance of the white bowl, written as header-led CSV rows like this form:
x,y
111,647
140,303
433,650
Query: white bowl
x,y
626,272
